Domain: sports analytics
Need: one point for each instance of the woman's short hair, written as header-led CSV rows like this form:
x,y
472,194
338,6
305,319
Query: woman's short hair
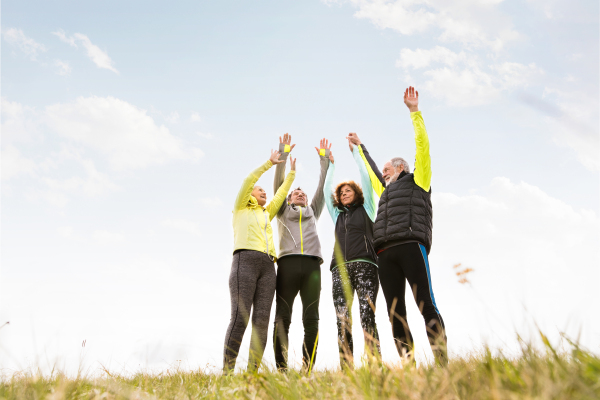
x,y
359,199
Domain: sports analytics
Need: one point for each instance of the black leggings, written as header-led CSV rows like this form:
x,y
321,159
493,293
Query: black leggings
x,y
362,278
408,262
297,274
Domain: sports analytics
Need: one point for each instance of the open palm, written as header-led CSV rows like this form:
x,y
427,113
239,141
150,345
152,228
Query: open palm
x,y
411,99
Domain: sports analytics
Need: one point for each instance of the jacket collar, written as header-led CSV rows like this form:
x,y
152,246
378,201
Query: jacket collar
x,y
252,203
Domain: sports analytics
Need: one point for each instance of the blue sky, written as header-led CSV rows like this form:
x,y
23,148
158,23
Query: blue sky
x,y
127,128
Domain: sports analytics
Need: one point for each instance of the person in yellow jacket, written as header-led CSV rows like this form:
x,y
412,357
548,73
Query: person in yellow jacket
x,y
252,280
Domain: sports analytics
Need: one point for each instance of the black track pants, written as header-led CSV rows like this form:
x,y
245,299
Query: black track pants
x,y
408,262
297,274
251,287
362,278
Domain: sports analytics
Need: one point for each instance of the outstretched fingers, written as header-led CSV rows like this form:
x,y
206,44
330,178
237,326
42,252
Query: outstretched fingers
x,y
275,157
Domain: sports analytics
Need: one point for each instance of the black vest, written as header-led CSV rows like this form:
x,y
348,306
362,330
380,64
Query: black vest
x,y
353,236
405,214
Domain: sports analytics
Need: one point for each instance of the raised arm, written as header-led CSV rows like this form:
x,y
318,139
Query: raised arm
x,y
317,202
422,169
365,181
275,205
328,190
248,185
284,149
375,175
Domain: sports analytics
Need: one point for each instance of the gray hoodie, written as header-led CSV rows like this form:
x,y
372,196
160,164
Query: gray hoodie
x,y
297,226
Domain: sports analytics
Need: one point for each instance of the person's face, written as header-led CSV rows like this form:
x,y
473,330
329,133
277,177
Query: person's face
x,y
390,174
299,198
260,195
347,195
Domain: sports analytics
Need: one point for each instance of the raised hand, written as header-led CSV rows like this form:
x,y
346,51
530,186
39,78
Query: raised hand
x,y
287,139
293,163
411,99
353,137
323,145
350,144
275,157
331,156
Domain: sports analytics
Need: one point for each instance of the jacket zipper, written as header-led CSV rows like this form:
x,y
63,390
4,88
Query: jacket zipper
x,y
266,237
346,234
301,239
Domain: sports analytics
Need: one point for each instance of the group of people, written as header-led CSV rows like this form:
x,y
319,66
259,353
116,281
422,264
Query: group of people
x,y
387,244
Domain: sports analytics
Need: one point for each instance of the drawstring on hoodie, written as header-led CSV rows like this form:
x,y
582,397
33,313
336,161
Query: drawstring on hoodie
x,y
266,237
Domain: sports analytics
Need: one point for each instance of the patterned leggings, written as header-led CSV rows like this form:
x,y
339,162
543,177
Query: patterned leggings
x,y
363,278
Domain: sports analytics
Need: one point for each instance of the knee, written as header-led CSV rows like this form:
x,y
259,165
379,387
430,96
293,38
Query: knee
x,y
311,324
282,322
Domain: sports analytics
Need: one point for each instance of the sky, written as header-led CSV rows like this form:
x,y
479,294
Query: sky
x,y
128,127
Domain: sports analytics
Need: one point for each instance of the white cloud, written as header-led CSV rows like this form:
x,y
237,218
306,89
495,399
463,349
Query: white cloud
x,y
183,225
27,45
112,128
205,135
513,75
52,197
67,39
95,53
119,130
19,122
65,231
64,68
420,58
211,202
173,117
92,183
14,164
105,237
462,79
195,117
473,23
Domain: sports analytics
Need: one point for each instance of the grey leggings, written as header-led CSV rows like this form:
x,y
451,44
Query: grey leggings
x,y
251,284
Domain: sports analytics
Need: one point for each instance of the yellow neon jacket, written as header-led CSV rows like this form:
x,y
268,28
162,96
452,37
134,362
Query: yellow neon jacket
x,y
252,222
422,170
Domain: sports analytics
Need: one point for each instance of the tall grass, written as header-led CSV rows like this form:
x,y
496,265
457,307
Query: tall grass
x,y
533,374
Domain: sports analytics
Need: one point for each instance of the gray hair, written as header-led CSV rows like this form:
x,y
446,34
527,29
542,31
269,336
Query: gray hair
x,y
399,161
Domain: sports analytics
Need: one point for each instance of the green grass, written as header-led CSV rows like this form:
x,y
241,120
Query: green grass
x,y
533,374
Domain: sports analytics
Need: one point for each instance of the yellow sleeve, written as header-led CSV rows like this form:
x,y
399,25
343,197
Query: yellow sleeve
x,y
422,159
281,195
245,192
375,182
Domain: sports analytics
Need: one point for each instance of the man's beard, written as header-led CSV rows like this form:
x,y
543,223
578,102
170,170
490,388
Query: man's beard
x,y
392,178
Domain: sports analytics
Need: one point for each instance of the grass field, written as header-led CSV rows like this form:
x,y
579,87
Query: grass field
x,y
533,374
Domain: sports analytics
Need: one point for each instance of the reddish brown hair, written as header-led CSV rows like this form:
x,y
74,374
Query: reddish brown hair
x,y
359,199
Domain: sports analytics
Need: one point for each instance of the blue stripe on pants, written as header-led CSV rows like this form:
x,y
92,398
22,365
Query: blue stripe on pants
x,y
424,253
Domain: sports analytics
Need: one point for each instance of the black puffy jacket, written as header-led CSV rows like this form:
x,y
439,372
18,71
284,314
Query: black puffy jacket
x,y
405,214
353,236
